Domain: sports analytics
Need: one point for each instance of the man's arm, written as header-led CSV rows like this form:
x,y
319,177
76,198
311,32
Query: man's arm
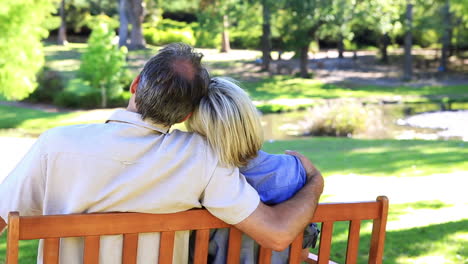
x,y
277,226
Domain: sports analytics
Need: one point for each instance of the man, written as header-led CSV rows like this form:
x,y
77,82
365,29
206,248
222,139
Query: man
x,y
132,163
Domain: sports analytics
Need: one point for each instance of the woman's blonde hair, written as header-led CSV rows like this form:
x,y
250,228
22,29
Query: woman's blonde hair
x,y
230,122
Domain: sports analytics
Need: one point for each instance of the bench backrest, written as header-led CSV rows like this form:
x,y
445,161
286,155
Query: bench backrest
x,y
91,226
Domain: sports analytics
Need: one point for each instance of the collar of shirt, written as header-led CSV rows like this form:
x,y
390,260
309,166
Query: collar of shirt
x,y
125,116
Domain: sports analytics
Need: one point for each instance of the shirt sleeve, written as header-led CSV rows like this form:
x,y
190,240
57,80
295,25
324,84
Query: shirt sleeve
x,y
23,189
276,177
228,196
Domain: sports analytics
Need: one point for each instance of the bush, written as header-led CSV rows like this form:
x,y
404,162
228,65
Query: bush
x,y
342,119
78,94
50,84
168,31
103,62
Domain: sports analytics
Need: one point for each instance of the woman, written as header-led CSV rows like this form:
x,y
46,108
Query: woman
x,y
231,124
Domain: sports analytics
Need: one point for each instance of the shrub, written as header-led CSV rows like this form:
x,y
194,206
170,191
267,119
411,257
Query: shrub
x,y
167,31
342,119
103,62
50,84
78,94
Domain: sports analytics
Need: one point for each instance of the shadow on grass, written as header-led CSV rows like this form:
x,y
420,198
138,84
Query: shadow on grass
x,y
439,241
378,157
27,250
13,117
291,87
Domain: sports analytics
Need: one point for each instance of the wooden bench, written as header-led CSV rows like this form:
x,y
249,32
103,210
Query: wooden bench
x,y
91,226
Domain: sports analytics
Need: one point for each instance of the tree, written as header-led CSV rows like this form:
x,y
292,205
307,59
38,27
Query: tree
x,y
102,63
225,45
21,55
266,35
136,13
62,34
385,18
220,11
131,12
300,26
123,27
446,35
408,67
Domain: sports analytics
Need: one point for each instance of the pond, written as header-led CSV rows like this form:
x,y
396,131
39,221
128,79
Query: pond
x,y
397,121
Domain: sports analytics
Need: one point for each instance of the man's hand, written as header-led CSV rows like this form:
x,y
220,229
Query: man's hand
x,y
313,175
278,225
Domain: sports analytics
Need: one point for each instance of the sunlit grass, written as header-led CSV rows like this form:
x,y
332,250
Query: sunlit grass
x,y
296,88
428,217
379,157
12,117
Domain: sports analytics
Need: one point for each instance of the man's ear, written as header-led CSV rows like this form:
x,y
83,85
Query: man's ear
x,y
187,117
134,85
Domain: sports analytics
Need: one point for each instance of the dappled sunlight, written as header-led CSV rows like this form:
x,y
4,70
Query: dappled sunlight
x,y
447,188
392,157
65,65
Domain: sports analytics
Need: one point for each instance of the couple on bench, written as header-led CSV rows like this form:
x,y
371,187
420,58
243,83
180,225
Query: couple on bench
x,y
132,163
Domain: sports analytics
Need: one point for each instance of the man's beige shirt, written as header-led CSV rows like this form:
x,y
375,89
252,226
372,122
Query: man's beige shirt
x,y
126,165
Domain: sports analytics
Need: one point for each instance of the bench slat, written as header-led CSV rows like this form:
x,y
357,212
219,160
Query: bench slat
x,y
91,250
130,248
202,238
296,250
235,240
166,247
91,226
51,250
264,256
325,242
75,225
353,242
346,212
378,232
13,237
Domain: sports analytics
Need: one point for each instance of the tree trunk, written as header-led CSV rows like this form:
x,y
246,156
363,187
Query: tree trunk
x,y
225,47
103,96
384,42
445,37
62,34
136,13
340,46
266,41
408,67
123,27
304,61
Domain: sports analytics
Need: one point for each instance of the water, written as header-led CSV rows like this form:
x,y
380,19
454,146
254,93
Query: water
x,y
398,121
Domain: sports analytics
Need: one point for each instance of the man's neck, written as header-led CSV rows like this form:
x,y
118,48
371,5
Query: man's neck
x,y
132,105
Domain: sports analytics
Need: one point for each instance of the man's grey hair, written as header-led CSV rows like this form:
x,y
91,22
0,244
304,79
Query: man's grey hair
x,y
171,85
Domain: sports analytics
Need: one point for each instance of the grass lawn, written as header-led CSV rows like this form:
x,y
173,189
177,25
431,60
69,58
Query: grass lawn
x,y
272,94
36,121
424,180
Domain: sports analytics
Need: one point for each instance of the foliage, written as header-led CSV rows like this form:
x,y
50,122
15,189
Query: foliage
x,y
341,119
244,23
78,94
167,31
50,84
21,55
103,62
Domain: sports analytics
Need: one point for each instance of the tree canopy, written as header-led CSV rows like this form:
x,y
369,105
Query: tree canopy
x,y
21,55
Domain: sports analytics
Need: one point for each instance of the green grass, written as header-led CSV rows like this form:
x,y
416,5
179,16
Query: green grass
x,y
37,121
424,226
274,94
291,87
379,157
